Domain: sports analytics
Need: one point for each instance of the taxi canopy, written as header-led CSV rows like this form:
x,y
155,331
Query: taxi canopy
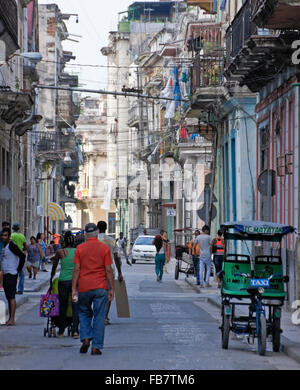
x,y
255,231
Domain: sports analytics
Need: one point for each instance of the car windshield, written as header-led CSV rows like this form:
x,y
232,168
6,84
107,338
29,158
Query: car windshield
x,y
144,240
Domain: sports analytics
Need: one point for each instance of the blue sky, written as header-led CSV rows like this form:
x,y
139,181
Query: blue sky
x,y
96,19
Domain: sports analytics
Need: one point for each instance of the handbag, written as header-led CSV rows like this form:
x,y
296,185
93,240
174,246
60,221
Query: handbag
x,y
49,305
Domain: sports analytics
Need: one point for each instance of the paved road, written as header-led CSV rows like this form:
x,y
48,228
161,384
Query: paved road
x,y
171,327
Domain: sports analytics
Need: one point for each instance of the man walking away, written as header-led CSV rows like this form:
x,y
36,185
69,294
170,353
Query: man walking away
x,y
4,225
204,241
194,252
92,271
218,249
12,263
20,240
110,242
122,243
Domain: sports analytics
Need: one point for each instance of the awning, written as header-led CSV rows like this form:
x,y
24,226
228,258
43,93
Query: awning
x,y
173,205
56,212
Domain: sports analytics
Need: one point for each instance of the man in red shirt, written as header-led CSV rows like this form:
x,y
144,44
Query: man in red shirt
x,y
93,276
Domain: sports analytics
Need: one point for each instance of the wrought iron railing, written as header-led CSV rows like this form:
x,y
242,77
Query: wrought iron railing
x,y
207,43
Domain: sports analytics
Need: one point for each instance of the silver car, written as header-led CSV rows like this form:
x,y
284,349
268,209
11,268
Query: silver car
x,y
143,249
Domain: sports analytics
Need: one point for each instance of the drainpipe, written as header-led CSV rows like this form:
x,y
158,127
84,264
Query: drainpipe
x,y
213,174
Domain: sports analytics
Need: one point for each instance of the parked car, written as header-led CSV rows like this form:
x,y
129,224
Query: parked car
x,y
143,249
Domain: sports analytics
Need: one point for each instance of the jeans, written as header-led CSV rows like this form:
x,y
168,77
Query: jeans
x,y
64,291
159,265
92,311
21,281
197,267
56,247
204,263
218,261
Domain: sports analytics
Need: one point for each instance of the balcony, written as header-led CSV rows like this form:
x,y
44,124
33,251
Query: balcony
x,y
283,14
207,5
206,43
254,55
134,116
48,142
195,146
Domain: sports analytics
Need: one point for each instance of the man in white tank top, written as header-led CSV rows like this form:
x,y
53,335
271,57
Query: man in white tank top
x,y
122,243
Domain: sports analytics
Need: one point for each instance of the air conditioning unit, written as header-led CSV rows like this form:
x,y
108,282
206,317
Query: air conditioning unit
x,y
40,211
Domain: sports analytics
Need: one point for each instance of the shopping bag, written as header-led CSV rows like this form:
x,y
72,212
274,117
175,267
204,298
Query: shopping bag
x,y
49,305
121,299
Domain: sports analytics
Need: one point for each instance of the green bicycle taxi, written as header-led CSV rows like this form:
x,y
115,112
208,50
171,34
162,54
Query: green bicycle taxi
x,y
256,281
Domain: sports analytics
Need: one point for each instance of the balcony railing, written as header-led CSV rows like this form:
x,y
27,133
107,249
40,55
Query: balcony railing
x,y
48,142
134,115
206,42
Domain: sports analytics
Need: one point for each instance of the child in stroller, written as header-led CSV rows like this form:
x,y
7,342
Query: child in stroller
x,y
53,322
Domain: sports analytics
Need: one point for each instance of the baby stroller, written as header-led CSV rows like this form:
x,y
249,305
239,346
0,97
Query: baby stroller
x,y
53,322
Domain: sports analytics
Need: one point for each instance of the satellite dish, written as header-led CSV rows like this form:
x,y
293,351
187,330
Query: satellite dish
x,y
262,182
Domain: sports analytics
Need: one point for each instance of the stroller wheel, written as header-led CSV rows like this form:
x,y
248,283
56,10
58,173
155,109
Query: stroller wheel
x,y
45,332
69,332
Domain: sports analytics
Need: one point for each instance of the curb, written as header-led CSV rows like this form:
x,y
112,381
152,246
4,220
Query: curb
x,y
289,348
25,299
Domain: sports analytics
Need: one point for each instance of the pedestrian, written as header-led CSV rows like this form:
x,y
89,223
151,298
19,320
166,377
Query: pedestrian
x,y
66,258
167,243
41,241
33,257
161,254
56,239
218,250
13,260
204,241
5,224
92,271
110,242
20,240
122,244
194,252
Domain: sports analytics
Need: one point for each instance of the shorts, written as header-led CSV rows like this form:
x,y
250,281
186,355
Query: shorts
x,y
35,264
10,285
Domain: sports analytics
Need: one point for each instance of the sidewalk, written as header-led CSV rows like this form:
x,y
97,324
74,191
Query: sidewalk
x,y
290,338
31,286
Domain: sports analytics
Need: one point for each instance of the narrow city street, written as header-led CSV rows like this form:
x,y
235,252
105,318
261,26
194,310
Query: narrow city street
x,y
171,328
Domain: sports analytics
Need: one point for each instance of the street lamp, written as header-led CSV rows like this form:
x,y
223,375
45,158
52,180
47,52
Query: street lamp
x,y
33,57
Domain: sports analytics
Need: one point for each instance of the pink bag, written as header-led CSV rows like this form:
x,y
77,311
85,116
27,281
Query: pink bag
x,y
49,305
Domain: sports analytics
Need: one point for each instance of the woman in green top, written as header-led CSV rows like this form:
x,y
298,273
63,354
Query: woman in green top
x,y
65,255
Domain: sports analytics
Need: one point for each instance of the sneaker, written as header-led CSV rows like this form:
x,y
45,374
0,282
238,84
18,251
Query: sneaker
x,y
60,335
208,285
158,278
107,321
198,283
75,335
201,286
44,270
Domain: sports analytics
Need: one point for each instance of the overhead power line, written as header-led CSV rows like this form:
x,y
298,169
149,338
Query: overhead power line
x,y
103,92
